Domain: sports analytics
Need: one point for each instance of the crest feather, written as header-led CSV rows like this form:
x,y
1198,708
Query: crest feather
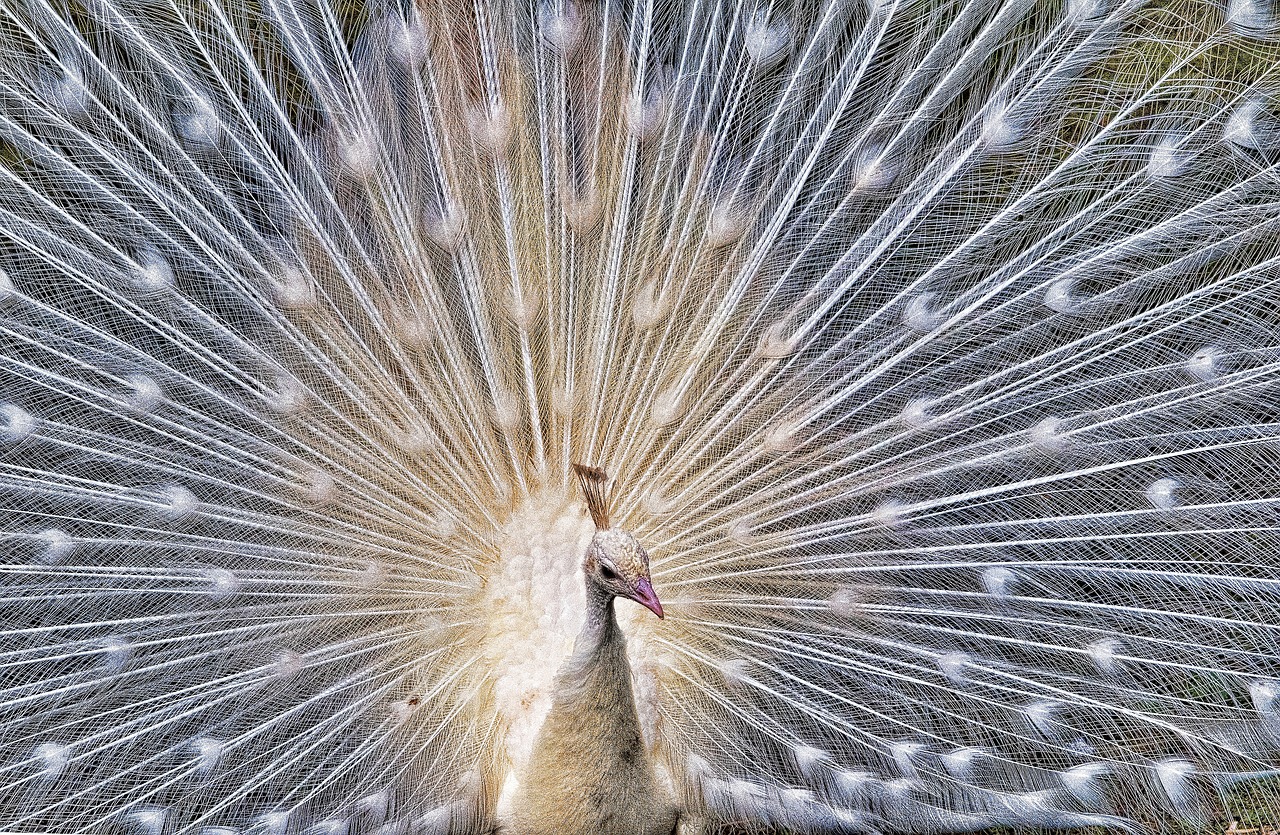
x,y
593,481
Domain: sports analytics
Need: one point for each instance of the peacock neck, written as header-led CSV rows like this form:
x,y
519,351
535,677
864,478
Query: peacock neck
x,y
589,772
600,627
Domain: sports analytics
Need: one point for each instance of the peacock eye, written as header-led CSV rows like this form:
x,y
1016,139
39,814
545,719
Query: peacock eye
x,y
608,572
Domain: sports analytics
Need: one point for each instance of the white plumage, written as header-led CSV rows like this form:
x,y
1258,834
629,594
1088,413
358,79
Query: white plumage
x,y
932,346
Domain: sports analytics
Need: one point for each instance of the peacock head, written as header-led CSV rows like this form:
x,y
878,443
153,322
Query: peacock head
x,y
615,561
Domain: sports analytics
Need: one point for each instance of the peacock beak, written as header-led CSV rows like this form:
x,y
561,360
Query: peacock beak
x,y
647,597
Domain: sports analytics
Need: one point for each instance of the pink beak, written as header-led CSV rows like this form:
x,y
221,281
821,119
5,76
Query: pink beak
x,y
646,596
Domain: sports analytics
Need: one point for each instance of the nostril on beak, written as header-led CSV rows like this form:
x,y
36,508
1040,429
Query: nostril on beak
x,y
647,597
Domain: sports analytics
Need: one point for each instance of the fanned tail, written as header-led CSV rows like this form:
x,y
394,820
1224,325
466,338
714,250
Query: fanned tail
x,y
936,342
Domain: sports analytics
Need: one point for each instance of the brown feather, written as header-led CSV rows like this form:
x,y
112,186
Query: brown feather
x,y
593,481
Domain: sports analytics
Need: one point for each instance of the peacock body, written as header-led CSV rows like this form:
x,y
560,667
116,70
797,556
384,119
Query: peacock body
x,y
932,346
